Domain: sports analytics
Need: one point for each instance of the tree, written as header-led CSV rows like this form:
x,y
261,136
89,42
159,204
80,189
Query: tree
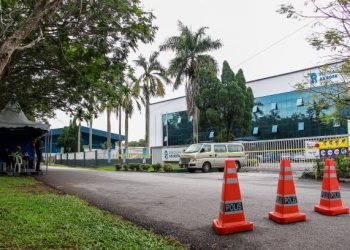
x,y
223,103
153,77
139,143
14,41
130,97
83,43
68,138
333,36
191,48
233,95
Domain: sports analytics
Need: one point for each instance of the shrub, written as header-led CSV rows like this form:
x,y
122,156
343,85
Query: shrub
x,y
157,167
343,167
145,167
319,169
118,167
134,166
168,167
252,162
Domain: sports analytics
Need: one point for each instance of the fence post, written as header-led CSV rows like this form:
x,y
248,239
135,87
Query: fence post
x,y
84,159
75,159
96,158
67,159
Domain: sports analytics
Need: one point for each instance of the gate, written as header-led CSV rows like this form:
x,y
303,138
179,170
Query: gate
x,y
301,151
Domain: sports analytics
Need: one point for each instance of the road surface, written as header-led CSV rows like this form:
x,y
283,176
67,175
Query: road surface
x,y
183,205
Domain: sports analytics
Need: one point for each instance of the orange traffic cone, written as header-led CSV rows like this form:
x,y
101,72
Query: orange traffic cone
x,y
231,216
286,206
330,202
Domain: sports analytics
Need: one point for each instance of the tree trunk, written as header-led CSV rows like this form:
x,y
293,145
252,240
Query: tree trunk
x,y
195,124
119,136
79,136
147,122
90,135
126,129
109,128
13,43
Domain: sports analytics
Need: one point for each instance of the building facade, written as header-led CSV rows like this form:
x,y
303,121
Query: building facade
x,y
280,111
99,137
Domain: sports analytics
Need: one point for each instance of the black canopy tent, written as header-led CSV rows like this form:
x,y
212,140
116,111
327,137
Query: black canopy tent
x,y
17,130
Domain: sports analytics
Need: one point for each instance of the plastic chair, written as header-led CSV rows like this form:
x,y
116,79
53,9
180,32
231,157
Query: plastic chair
x,y
18,163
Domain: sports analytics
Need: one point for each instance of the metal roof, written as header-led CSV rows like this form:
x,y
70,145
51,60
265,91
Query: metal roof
x,y
96,132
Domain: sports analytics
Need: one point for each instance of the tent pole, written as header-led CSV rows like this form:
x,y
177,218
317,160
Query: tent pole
x,y
46,142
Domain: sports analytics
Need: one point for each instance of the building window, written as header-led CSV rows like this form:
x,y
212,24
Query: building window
x,y
300,102
301,126
255,130
255,109
274,106
274,128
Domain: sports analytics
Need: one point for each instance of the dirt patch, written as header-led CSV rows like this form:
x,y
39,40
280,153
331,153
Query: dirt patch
x,y
38,188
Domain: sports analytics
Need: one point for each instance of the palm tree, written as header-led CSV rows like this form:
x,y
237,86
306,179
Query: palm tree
x,y
130,96
108,107
190,48
153,78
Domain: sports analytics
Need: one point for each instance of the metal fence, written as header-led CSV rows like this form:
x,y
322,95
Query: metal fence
x,y
101,157
300,151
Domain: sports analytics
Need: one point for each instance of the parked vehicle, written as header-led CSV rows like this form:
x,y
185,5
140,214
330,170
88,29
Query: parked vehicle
x,y
206,156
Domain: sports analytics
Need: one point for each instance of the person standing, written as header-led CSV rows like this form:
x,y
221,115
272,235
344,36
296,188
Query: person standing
x,y
38,153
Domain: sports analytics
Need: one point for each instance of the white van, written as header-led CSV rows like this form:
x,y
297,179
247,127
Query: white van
x,y
205,156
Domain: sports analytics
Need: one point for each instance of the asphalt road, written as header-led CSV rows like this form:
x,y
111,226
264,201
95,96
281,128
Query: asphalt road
x,y
183,205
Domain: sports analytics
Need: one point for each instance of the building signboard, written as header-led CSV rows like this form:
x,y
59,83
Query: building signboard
x,y
172,154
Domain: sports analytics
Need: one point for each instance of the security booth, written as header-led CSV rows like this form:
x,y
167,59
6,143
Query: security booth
x,y
20,150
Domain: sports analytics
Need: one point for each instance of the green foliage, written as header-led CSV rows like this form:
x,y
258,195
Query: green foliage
x,y
190,48
69,138
225,105
76,61
145,167
157,167
252,162
343,167
168,167
139,143
118,167
64,222
133,166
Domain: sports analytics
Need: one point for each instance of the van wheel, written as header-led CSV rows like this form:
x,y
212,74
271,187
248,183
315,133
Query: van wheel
x,y
221,169
238,166
206,167
191,170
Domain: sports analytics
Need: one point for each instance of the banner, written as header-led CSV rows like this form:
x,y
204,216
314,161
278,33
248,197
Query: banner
x,y
334,147
172,154
311,150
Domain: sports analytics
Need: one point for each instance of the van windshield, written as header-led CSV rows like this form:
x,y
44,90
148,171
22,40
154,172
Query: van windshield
x,y
194,148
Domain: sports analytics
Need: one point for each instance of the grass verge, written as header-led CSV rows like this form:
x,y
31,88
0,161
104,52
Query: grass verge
x,y
33,216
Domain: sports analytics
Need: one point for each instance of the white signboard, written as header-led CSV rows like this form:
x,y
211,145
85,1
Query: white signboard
x,y
311,151
171,154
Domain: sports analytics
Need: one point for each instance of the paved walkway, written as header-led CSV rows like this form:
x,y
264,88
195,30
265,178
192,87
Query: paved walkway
x,y
183,205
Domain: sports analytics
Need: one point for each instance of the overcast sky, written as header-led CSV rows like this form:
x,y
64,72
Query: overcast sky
x,y
245,27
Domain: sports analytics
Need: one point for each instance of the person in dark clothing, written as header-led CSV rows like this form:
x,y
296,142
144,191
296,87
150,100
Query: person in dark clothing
x,y
38,154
